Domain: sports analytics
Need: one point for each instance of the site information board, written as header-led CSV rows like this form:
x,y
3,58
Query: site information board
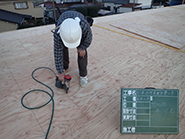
x,y
150,111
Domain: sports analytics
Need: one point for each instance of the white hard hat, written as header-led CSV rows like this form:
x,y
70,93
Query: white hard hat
x,y
71,32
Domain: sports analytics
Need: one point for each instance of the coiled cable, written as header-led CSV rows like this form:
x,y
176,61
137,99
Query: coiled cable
x,y
51,97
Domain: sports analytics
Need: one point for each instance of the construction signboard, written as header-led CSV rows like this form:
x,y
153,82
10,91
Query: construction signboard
x,y
150,111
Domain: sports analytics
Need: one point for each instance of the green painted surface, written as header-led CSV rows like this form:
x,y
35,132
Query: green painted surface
x,y
147,111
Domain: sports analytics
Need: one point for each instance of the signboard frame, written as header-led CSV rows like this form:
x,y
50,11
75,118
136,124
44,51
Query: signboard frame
x,y
149,111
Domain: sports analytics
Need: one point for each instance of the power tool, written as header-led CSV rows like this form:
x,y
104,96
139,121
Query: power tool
x,y
65,85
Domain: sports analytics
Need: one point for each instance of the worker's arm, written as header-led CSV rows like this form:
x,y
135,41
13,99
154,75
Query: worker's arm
x,y
58,55
86,36
81,53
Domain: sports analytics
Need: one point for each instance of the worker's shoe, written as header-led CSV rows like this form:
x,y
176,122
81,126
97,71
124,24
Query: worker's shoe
x,y
83,81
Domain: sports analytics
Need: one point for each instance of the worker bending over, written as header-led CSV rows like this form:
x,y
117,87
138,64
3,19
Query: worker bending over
x,y
74,32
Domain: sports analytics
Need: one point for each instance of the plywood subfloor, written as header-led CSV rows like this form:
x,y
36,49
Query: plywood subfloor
x,y
93,112
151,33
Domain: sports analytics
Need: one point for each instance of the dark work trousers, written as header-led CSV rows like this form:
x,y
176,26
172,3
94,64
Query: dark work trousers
x,y
82,62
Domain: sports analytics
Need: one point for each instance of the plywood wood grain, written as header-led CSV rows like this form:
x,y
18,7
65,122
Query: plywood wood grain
x,y
158,24
151,34
115,61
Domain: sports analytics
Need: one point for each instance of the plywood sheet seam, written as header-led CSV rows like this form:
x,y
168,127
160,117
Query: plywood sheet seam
x,y
147,39
12,75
